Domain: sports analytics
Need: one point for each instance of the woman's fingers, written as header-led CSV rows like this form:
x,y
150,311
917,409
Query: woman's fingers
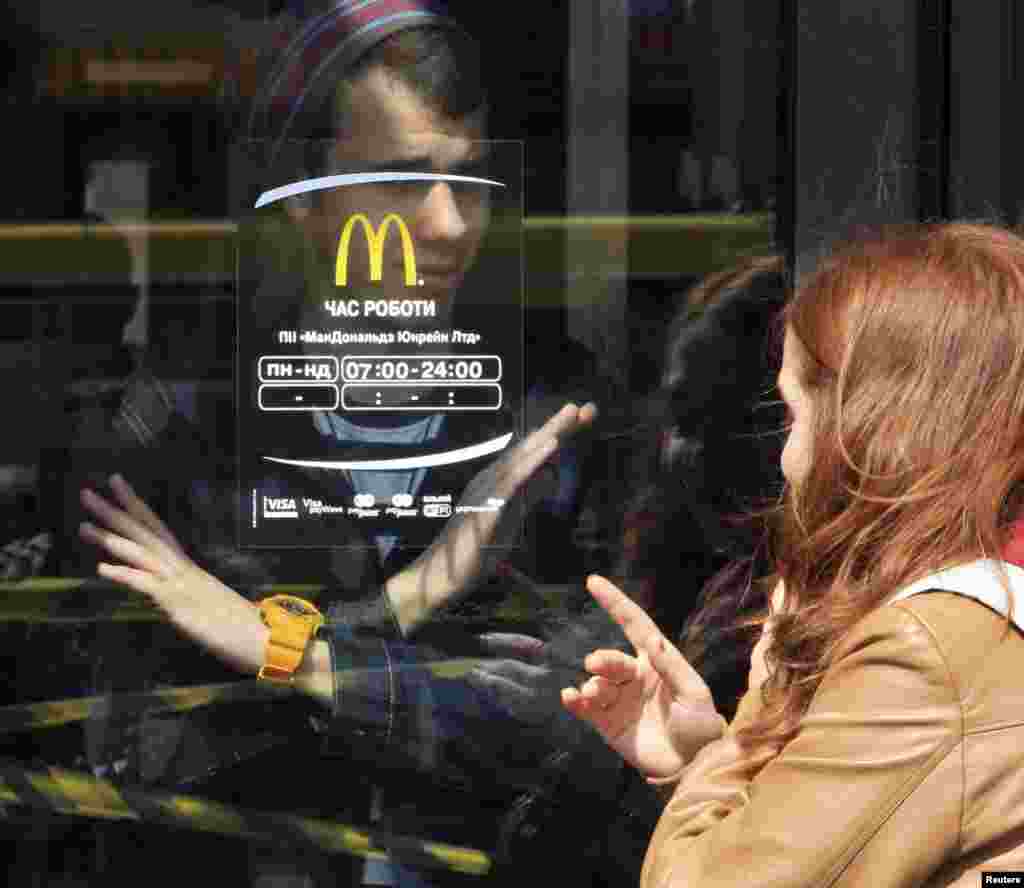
x,y
574,702
139,509
599,699
582,706
682,679
601,692
597,708
640,629
615,666
645,636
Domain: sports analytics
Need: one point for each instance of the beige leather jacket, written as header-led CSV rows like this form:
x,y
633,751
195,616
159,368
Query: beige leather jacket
x,y
908,769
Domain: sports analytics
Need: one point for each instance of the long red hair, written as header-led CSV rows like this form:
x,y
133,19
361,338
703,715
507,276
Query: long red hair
x,y
913,339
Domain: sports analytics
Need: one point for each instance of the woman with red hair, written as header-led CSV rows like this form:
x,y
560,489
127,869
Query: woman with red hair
x,y
881,738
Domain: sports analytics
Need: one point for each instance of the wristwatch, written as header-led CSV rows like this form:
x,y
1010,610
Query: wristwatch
x,y
292,622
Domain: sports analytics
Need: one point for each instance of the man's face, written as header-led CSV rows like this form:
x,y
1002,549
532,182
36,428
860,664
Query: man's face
x,y
389,128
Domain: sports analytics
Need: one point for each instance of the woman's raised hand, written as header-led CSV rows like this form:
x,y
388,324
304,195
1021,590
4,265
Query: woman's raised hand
x,y
152,562
652,708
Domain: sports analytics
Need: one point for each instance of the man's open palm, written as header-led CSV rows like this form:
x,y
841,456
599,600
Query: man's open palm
x,y
152,562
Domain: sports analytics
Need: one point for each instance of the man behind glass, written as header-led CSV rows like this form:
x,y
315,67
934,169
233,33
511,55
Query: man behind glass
x,y
444,727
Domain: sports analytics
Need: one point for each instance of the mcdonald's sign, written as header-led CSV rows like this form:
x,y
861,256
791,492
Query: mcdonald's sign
x,y
375,245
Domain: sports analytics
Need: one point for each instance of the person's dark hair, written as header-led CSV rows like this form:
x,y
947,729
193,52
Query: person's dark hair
x,y
441,64
720,454
691,527
720,356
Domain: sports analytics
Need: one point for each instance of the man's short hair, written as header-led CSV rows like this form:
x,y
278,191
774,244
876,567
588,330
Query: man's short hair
x,y
303,103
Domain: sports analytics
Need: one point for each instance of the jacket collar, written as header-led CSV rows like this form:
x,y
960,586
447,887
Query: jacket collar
x,y
982,580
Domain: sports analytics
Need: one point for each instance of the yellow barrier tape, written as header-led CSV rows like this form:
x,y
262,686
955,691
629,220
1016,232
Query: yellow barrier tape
x,y
226,228
62,600
79,600
660,246
61,791
677,222
53,713
43,584
67,584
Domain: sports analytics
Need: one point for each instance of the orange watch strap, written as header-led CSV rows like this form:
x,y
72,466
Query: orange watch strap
x,y
289,636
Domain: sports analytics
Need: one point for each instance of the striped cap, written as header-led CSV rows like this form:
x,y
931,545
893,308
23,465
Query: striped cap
x,y
333,41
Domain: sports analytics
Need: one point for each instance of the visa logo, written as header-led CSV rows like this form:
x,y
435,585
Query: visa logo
x,y
279,507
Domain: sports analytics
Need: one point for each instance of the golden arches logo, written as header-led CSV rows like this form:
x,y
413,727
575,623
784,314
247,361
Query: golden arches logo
x,y
375,244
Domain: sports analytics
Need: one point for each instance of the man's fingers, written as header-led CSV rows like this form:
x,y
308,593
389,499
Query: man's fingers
x,y
519,470
563,422
139,580
542,443
566,422
139,509
645,636
456,560
511,672
124,550
124,524
572,421
538,447
588,413
544,439
562,425
512,645
559,424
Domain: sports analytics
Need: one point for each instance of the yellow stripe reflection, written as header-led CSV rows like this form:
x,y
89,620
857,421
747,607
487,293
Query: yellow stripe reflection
x,y
70,792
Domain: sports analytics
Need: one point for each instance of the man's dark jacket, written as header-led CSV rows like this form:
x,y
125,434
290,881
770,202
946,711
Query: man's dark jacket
x,y
509,773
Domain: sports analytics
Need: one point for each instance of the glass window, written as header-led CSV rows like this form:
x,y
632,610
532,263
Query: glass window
x,y
562,175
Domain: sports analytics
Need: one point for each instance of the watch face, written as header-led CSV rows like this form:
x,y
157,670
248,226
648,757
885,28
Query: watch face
x,y
296,607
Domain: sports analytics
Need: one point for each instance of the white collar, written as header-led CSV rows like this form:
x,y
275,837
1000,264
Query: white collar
x,y
980,580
